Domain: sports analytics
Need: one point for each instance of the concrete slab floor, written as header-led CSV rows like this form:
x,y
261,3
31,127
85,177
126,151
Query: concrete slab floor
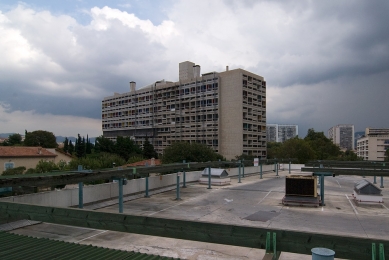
x,y
231,205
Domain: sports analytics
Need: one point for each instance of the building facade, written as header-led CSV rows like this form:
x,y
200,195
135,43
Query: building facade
x,y
343,136
224,110
373,145
280,133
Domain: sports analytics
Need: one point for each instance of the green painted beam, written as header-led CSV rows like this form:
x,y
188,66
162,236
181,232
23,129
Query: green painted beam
x,y
345,171
252,237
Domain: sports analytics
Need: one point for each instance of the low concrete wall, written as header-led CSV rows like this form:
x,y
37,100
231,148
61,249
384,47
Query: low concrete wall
x,y
93,193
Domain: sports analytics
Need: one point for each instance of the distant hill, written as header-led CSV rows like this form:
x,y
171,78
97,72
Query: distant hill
x,y
5,135
61,139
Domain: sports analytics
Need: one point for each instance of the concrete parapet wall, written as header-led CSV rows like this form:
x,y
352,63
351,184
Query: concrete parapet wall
x,y
106,191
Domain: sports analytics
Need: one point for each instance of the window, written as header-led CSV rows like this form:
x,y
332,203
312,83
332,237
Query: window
x,y
8,165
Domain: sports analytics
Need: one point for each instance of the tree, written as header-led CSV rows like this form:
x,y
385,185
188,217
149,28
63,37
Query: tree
x,y
273,150
323,147
14,139
191,152
71,147
297,148
88,148
350,155
148,150
125,147
80,147
66,145
103,144
387,155
41,138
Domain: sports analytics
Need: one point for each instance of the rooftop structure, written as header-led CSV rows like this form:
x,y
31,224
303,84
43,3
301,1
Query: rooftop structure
x,y
224,110
343,136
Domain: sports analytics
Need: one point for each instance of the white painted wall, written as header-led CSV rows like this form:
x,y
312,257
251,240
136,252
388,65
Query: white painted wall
x,y
93,193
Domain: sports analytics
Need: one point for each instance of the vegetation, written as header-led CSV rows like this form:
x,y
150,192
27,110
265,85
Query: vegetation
x,y
315,146
387,155
14,171
191,152
13,140
40,138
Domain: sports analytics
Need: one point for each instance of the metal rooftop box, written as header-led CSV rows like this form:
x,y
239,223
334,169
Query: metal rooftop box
x,y
365,187
215,173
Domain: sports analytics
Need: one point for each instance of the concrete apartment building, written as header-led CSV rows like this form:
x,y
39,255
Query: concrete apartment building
x,y
373,145
224,110
343,136
280,133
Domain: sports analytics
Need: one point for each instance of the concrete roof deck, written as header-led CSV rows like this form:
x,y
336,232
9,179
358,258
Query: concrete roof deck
x,y
255,199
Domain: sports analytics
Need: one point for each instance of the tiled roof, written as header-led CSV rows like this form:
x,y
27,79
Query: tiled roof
x,y
144,162
23,151
14,246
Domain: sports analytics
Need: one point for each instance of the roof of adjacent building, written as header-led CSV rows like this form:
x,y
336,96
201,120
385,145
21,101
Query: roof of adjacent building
x,y
23,151
148,162
14,246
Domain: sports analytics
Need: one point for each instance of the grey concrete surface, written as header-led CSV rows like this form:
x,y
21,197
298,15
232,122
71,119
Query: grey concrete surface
x,y
232,205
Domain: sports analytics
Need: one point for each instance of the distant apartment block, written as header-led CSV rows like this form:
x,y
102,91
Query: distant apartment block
x,y
224,110
343,136
373,145
280,133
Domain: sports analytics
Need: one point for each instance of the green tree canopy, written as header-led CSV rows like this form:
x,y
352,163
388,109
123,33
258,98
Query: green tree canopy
x,y
387,155
297,148
14,139
125,147
191,152
148,150
41,138
323,147
103,144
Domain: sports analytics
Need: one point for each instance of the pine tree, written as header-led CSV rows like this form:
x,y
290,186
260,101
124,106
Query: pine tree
x,y
71,147
66,145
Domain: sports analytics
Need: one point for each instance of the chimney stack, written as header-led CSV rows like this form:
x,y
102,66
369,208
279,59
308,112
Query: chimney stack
x,y
226,68
132,86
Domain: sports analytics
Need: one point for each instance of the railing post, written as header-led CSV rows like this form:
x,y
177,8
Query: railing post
x,y
239,173
178,188
120,181
80,195
289,166
147,188
243,168
209,177
261,171
277,168
80,191
184,176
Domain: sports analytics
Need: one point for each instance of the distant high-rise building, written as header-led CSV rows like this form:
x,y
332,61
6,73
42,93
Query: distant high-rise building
x,y
343,136
280,133
373,145
224,110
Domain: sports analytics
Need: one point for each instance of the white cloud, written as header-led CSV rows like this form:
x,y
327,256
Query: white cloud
x,y
18,121
304,50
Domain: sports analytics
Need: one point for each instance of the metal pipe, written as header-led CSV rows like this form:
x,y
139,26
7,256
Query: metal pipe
x,y
322,190
289,166
178,188
239,173
277,169
184,173
382,182
261,171
147,188
80,195
120,181
209,178
243,168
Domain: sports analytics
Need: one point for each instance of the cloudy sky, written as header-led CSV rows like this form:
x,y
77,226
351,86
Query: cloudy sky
x,y
325,62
